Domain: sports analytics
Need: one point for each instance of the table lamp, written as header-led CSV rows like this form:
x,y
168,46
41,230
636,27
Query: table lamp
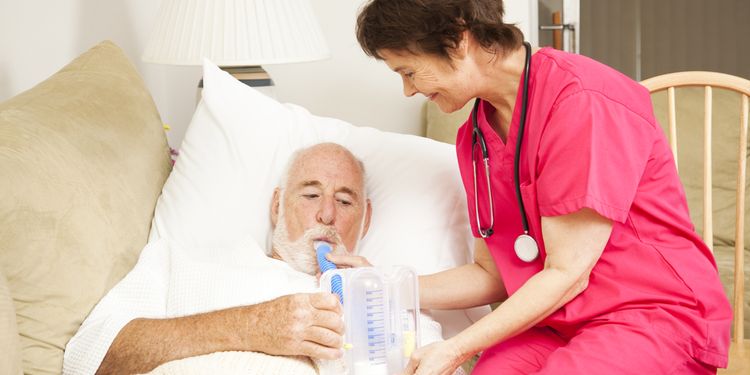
x,y
237,35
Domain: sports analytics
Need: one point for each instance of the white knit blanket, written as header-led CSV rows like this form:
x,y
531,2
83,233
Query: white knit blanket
x,y
246,363
172,280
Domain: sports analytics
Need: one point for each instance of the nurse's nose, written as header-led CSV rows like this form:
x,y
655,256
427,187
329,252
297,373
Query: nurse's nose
x,y
327,211
409,89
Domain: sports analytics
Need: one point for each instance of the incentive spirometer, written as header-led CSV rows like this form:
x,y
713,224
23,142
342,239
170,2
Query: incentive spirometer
x,y
381,314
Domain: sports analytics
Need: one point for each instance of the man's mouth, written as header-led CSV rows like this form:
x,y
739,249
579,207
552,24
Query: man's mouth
x,y
324,239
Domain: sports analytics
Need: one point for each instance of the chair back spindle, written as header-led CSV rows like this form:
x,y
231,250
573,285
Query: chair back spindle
x,y
710,80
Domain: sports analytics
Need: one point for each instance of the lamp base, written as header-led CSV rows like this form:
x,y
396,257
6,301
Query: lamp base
x,y
254,76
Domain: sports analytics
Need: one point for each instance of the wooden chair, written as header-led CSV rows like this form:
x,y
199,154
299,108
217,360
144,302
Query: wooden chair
x,y
739,360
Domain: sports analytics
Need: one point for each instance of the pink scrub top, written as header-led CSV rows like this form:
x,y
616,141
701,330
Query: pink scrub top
x,y
591,140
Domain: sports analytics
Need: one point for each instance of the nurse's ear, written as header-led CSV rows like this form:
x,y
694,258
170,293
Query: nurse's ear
x,y
462,49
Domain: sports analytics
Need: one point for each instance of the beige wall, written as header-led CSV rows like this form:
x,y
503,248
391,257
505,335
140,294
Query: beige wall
x,y
671,35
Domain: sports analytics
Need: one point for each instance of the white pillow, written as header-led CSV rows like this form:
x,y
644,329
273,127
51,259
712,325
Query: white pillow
x,y
238,144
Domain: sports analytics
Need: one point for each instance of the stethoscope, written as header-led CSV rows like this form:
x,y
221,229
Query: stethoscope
x,y
525,246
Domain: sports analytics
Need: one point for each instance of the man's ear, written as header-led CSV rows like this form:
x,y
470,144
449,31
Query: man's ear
x,y
275,202
368,214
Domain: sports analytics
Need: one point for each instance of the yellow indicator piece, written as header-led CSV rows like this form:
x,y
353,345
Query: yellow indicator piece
x,y
348,346
166,127
410,343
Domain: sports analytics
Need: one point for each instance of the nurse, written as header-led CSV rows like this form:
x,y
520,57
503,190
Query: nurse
x,y
618,282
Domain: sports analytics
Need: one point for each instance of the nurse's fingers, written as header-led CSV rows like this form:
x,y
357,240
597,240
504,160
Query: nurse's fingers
x,y
346,260
411,367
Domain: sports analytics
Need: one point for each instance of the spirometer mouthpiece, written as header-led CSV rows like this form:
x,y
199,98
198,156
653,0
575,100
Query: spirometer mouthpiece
x,y
321,249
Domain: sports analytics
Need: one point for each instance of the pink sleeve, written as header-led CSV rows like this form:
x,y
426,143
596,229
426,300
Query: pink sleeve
x,y
593,153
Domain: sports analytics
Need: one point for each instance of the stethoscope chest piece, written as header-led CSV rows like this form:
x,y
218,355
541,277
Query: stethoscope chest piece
x,y
526,248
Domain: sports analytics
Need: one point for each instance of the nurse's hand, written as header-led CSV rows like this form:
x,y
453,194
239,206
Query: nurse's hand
x,y
438,358
348,261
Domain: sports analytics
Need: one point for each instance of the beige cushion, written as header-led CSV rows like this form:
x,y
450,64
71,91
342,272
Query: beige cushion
x,y
726,120
444,126
10,347
83,158
739,359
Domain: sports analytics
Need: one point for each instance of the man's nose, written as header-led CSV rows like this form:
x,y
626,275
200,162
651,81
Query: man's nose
x,y
327,211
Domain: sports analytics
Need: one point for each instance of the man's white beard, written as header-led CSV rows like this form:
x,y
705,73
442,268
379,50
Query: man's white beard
x,y
300,254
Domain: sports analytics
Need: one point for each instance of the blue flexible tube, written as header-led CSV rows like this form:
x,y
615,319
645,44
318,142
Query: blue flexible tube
x,y
321,249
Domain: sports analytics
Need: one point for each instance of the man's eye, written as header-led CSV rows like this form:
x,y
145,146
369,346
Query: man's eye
x,y
345,202
310,196
409,75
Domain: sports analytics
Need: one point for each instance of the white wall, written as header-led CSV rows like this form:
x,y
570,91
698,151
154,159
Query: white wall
x,y
38,37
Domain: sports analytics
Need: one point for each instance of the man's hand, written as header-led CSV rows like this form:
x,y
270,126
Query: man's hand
x,y
298,324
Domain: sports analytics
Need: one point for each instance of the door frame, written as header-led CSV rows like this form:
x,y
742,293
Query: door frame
x,y
571,16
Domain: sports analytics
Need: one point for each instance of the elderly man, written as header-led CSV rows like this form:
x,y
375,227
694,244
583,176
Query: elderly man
x,y
179,303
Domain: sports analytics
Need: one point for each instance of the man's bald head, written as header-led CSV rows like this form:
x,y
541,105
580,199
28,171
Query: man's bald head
x,y
333,152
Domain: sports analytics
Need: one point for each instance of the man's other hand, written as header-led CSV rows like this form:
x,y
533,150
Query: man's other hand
x,y
297,324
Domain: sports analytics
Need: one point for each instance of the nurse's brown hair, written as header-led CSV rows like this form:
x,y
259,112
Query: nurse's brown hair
x,y
433,26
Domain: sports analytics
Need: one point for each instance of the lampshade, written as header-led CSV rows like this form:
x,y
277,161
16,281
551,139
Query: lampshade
x,y
235,33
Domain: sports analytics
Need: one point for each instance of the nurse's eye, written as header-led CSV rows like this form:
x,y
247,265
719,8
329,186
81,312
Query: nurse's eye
x,y
345,202
409,75
310,196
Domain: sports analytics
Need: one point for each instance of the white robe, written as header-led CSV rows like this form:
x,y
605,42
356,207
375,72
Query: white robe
x,y
173,280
